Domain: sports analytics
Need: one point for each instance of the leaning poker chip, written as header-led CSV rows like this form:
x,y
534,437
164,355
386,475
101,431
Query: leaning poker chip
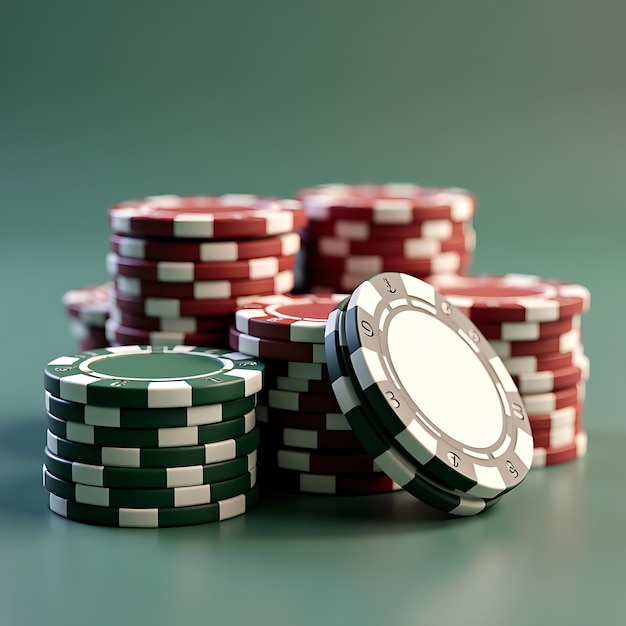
x,y
395,463
210,217
526,364
566,416
553,456
270,349
302,385
153,377
190,325
321,462
203,251
172,417
205,289
186,272
287,318
148,498
553,380
393,203
513,297
560,344
151,438
329,484
443,263
302,419
406,247
311,439
528,331
154,478
90,304
154,457
122,335
155,517
296,401
421,364
539,403
361,230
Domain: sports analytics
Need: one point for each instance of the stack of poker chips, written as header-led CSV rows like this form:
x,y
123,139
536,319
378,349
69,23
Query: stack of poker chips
x,y
533,324
144,436
357,231
307,443
88,310
181,265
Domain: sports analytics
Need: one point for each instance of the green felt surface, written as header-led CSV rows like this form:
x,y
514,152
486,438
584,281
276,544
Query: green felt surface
x,y
523,103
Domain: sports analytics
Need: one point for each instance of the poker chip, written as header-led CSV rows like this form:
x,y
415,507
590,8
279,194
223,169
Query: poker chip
x,y
210,217
151,418
394,203
539,403
124,335
552,456
421,363
205,289
155,517
191,325
527,364
566,416
302,419
304,385
152,377
404,248
151,438
88,337
328,484
287,318
89,304
172,271
394,461
153,478
312,439
560,344
319,462
556,436
298,369
154,457
296,401
528,331
270,349
513,297
553,380
203,251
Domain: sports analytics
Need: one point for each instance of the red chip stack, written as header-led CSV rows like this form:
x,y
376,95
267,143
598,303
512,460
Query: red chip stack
x,y
88,310
534,326
356,231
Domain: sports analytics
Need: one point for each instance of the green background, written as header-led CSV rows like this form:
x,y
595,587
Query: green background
x,y
523,103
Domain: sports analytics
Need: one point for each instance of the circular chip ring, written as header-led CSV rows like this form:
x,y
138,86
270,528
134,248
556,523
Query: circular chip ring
x,y
560,344
270,349
329,484
513,297
172,324
152,377
207,217
528,331
422,364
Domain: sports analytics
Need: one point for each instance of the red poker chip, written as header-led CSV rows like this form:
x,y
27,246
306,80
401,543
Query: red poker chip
x,y
560,344
364,231
300,401
319,462
328,484
553,380
90,304
130,336
309,439
270,349
526,364
565,416
527,331
173,324
299,318
203,251
556,436
205,289
302,419
321,266
540,403
208,217
513,297
184,272
395,203
553,456
406,248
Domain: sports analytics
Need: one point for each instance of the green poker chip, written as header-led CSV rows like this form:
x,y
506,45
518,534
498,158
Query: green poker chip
x,y
148,498
155,517
173,417
149,478
154,377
